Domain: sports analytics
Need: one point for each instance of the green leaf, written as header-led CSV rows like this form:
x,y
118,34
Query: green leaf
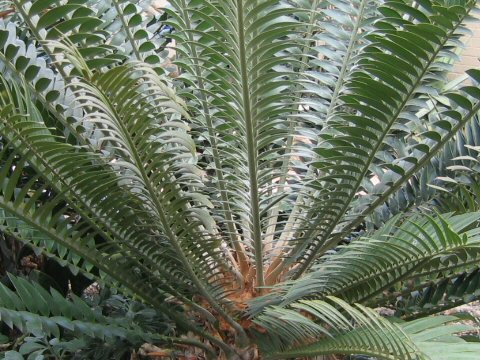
x,y
13,355
3,339
55,14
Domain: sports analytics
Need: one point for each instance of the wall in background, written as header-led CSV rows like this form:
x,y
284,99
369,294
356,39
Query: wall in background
x,y
470,56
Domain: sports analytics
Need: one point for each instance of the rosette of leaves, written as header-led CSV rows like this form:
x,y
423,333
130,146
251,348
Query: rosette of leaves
x,y
231,188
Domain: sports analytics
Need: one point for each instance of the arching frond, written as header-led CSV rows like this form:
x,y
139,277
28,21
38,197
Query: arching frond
x,y
32,309
422,189
429,295
362,119
366,267
334,327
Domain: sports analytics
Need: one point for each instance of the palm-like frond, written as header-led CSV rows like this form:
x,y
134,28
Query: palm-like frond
x,y
348,330
242,91
422,189
436,338
368,266
127,256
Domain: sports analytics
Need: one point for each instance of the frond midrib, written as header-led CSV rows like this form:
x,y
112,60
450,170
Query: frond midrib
x,y
173,240
280,265
395,186
232,231
252,153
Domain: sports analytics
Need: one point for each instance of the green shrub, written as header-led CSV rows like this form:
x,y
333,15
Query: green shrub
x,y
278,179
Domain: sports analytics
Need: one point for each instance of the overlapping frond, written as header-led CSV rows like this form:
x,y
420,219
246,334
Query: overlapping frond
x,y
374,101
32,309
431,294
105,32
360,271
94,31
25,63
123,106
67,193
335,327
460,185
240,56
336,34
338,40
342,329
437,185
154,153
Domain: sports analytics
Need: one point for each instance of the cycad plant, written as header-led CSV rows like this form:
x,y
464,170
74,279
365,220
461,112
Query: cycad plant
x,y
274,181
